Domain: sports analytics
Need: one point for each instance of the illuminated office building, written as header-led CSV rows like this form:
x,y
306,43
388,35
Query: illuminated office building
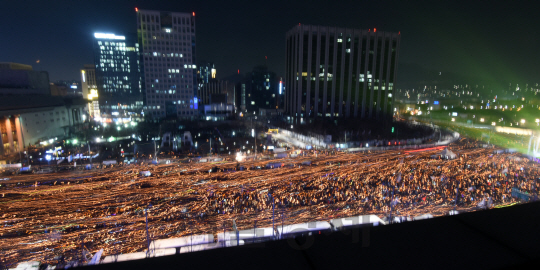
x,y
339,72
168,51
118,75
207,71
89,90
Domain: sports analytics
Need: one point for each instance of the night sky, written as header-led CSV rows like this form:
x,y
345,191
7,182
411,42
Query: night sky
x,y
488,40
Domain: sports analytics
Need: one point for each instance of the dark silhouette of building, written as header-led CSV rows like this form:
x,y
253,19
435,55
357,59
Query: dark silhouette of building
x,y
20,79
258,90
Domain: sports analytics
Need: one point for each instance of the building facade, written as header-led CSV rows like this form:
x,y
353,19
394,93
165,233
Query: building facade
x,y
34,119
168,50
207,71
20,79
213,87
259,89
90,91
339,72
262,88
118,75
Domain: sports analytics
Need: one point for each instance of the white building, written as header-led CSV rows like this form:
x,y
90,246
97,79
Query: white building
x,y
27,121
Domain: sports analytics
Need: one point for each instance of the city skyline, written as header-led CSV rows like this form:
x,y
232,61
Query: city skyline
x,y
495,42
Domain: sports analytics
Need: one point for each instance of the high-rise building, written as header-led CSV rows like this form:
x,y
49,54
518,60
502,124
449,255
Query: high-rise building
x,y
89,90
168,54
118,75
339,72
258,90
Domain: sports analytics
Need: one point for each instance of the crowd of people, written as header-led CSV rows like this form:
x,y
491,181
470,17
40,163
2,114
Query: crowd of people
x,y
109,208
477,178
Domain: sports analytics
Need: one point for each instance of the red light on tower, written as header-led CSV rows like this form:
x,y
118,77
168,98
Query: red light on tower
x,y
374,30
399,33
238,71
136,9
193,13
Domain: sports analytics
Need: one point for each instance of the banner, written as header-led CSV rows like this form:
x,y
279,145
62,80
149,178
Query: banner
x,y
518,194
15,165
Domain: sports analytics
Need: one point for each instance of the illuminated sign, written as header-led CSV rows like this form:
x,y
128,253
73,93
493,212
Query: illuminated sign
x,y
280,87
196,102
83,76
108,36
93,94
73,87
454,114
435,103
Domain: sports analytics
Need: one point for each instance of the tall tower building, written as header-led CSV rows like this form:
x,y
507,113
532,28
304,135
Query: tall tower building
x,y
168,55
339,72
89,90
118,75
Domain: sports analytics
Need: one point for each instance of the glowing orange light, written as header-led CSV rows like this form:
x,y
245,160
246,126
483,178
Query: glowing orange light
x,y
238,71
136,10
193,13
426,149
374,30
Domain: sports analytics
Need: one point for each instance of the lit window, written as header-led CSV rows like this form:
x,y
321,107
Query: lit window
x,y
339,40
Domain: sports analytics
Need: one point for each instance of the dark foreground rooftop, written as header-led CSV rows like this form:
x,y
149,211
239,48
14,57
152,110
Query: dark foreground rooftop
x,y
505,238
